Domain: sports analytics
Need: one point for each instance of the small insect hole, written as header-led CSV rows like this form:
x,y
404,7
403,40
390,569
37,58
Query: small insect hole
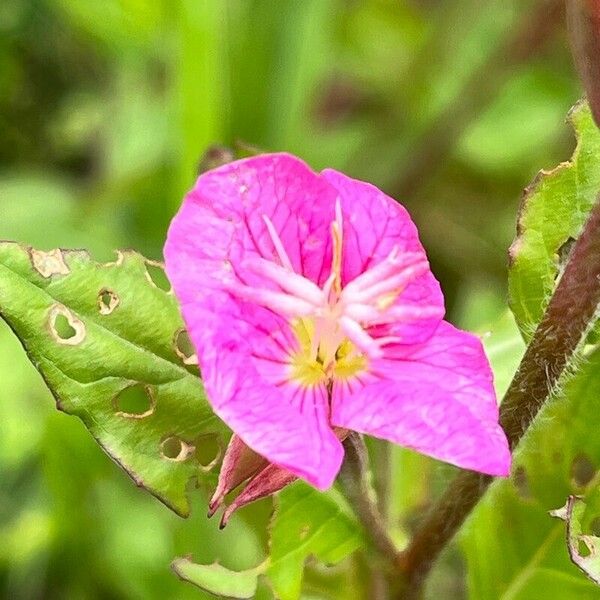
x,y
136,401
582,470
64,330
118,260
184,348
156,275
582,548
107,301
173,448
64,327
208,450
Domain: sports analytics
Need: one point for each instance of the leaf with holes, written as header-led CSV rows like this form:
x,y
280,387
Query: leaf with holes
x,y
308,523
553,211
305,523
217,579
109,342
573,512
514,549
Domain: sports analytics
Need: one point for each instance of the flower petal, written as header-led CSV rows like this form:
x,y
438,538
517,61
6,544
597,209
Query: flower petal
x,y
375,227
269,207
437,398
246,380
268,481
253,208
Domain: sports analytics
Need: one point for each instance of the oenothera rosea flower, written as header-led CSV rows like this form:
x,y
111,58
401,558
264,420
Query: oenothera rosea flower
x,y
314,312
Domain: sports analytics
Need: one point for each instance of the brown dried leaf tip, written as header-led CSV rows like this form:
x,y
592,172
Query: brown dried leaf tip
x,y
260,478
49,263
241,464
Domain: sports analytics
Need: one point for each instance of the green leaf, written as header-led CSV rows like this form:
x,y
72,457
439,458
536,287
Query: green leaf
x,y
554,209
119,25
217,579
504,348
110,345
308,523
200,79
514,549
573,513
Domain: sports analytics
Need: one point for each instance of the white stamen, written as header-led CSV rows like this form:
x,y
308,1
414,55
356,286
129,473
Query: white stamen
x,y
394,283
290,282
360,338
283,257
390,265
279,302
366,313
362,312
338,315
406,313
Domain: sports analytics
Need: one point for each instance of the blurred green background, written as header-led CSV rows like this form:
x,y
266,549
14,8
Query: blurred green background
x,y
106,109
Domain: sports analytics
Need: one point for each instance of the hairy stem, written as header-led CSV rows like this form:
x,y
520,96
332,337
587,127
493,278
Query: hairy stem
x,y
382,474
354,480
569,315
583,20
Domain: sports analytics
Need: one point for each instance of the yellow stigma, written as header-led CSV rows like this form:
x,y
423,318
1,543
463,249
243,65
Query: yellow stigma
x,y
321,361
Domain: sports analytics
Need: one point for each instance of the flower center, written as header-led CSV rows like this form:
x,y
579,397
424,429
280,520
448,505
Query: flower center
x,y
324,353
331,323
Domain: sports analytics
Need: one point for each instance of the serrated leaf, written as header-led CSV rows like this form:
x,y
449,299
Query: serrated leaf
x,y
514,549
217,579
106,340
573,513
554,209
308,523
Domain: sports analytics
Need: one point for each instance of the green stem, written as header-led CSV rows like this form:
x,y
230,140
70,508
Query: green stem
x,y
382,474
354,480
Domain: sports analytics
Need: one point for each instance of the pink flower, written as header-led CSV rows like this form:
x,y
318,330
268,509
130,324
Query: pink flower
x,y
310,301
